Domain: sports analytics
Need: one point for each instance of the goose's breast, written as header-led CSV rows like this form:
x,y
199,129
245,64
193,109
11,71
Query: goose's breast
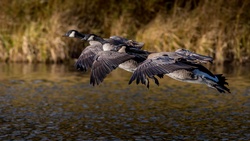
x,y
129,65
185,76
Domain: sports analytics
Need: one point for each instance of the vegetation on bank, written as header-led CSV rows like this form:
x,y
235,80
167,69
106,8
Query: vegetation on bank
x,y
31,30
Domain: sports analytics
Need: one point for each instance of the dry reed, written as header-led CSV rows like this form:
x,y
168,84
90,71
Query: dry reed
x,y
31,30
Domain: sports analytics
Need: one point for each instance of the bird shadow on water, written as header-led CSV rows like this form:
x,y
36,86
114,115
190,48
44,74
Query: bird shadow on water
x,y
55,102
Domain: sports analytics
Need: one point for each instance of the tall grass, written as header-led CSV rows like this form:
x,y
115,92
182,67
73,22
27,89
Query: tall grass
x,y
31,30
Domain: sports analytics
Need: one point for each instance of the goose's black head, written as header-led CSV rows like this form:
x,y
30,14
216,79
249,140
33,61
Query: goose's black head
x,y
135,44
93,37
74,34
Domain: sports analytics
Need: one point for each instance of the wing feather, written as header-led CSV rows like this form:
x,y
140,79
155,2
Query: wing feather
x,y
86,59
104,63
158,65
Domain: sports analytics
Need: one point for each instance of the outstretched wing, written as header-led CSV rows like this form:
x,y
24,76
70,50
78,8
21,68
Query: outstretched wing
x,y
193,57
158,65
86,59
104,63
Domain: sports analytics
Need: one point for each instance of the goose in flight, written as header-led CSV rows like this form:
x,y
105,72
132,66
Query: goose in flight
x,y
96,45
181,65
103,56
127,58
139,58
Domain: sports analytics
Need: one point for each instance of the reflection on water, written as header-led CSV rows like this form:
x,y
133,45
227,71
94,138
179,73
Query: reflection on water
x,y
55,102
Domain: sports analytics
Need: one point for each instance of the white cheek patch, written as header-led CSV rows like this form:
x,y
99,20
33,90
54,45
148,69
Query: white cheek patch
x,y
91,38
72,34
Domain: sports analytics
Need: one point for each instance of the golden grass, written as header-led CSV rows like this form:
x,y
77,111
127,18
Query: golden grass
x,y
31,30
208,29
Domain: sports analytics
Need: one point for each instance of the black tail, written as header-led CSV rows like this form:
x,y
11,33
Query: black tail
x,y
220,86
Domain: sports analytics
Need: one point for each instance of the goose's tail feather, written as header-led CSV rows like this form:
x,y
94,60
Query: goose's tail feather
x,y
220,85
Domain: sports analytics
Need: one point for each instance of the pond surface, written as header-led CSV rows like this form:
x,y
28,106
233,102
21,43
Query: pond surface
x,y
56,102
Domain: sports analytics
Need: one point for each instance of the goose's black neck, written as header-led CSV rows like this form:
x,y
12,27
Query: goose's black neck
x,y
99,39
93,37
80,35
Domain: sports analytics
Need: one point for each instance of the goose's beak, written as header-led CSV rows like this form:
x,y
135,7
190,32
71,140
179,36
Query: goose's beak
x,y
135,43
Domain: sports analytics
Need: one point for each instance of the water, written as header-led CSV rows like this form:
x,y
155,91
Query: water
x,y
56,102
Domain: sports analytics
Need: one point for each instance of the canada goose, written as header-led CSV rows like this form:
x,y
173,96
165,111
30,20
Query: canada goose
x,y
87,58
180,68
97,44
104,63
141,55
124,58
